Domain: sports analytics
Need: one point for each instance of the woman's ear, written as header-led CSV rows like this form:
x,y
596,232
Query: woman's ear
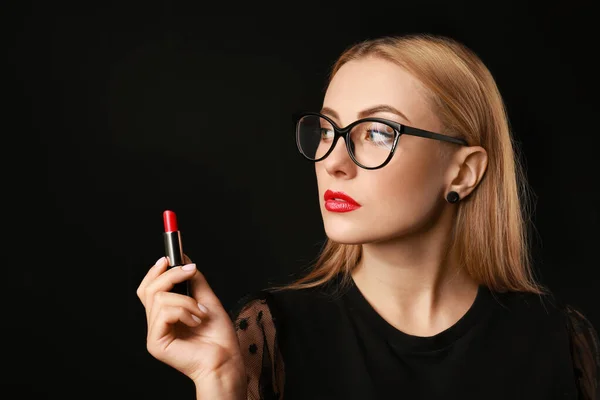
x,y
469,166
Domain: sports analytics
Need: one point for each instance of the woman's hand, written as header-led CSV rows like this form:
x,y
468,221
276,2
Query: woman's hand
x,y
192,334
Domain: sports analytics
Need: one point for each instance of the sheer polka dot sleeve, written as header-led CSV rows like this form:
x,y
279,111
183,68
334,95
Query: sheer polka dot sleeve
x,y
257,335
585,351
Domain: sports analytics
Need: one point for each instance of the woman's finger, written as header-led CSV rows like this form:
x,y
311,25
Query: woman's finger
x,y
168,299
156,270
160,331
202,292
165,281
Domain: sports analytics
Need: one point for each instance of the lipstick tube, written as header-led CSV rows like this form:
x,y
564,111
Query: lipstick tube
x,y
174,249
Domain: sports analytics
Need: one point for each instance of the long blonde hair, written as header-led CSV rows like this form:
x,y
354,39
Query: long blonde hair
x,y
491,236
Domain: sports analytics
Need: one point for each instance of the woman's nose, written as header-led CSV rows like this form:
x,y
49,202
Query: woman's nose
x,y
339,161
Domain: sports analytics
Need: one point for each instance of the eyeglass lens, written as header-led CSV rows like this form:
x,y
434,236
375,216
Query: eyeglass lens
x,y
370,142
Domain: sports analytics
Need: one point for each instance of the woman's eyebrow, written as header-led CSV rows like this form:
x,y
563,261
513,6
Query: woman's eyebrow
x,y
367,112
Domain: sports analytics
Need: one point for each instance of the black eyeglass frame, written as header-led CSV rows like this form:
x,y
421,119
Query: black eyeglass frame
x,y
399,130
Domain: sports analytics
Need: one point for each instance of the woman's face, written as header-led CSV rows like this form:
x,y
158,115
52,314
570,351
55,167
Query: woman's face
x,y
407,194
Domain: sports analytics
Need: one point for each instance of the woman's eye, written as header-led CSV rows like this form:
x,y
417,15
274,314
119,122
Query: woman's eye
x,y
326,133
377,136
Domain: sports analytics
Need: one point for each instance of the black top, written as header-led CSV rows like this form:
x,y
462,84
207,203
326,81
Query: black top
x,y
327,343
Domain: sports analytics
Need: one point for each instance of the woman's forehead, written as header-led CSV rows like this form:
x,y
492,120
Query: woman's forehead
x,y
362,84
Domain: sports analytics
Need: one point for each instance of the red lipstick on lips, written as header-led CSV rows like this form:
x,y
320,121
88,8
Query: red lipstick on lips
x,y
339,202
173,248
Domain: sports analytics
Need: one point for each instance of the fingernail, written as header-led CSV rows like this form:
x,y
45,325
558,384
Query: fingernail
x,y
159,260
198,320
202,308
189,267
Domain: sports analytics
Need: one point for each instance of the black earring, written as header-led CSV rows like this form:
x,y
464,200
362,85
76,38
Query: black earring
x,y
452,197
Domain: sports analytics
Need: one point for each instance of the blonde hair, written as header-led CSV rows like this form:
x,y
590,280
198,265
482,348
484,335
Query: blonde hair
x,y
491,237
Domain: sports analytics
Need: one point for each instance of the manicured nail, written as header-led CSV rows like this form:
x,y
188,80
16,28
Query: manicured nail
x,y
198,320
159,260
189,267
202,308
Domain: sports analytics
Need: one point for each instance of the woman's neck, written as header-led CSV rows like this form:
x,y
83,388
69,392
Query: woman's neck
x,y
414,285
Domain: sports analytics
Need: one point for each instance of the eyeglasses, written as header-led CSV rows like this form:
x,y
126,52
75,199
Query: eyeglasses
x,y
370,142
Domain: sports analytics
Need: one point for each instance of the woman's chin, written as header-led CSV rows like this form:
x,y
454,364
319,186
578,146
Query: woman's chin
x,y
345,234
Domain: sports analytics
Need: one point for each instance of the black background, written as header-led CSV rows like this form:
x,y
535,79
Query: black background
x,y
122,111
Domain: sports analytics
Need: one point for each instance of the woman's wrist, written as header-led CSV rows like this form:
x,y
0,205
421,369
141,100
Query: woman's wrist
x,y
221,387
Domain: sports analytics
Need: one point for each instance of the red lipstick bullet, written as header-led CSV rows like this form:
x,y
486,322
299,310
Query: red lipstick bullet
x,y
174,248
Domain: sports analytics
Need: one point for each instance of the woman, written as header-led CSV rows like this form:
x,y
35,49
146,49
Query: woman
x,y
424,288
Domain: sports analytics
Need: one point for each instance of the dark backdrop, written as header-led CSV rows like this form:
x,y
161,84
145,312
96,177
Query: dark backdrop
x,y
123,111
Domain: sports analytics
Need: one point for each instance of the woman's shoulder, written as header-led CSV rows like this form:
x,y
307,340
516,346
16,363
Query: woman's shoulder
x,y
548,308
549,311
532,307
289,303
252,304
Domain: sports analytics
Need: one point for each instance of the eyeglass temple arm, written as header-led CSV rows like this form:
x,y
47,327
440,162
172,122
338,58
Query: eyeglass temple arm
x,y
426,134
